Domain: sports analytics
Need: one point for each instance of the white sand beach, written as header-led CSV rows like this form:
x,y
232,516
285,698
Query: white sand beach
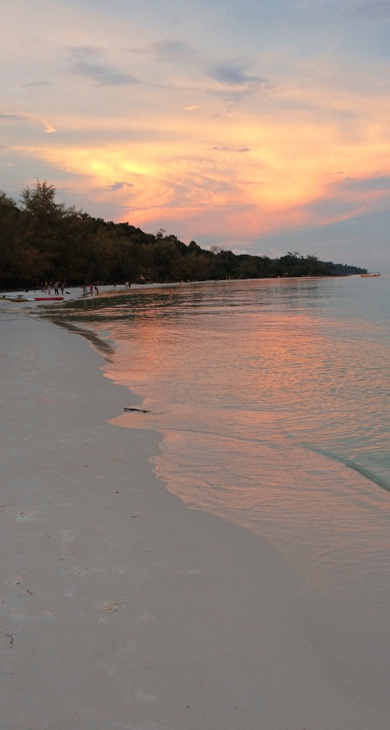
x,y
121,607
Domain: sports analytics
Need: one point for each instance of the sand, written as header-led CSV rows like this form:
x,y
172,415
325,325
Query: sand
x,y
121,607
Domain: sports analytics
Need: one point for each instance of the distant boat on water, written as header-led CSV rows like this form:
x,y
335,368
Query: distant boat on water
x,y
375,274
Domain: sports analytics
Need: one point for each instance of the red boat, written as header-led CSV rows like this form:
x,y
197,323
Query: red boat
x,y
48,299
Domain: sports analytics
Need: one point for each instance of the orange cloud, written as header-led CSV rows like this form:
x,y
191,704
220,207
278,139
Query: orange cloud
x,y
197,175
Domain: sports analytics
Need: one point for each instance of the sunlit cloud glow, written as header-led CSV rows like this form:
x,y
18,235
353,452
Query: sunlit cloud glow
x,y
265,125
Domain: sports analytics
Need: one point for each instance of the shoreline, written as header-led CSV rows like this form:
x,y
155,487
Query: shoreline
x,y
123,608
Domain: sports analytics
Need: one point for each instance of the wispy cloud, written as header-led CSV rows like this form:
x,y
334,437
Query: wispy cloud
x,y
12,117
369,9
379,184
168,50
235,74
226,148
28,119
171,50
114,187
38,84
102,74
49,129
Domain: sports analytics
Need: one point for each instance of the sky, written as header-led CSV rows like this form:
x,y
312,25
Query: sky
x,y
260,126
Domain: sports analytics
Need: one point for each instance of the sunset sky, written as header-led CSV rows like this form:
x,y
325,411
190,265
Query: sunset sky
x,y
261,126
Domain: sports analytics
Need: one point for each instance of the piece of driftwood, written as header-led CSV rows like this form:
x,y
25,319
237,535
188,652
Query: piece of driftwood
x,y
138,410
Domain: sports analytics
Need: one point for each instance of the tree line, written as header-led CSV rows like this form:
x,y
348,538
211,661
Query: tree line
x,y
42,240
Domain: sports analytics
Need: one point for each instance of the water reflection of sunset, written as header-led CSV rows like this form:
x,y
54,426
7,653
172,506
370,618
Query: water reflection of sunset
x,y
271,416
269,396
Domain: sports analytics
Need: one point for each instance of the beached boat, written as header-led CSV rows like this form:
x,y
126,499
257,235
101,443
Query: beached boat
x,y
26,298
18,299
48,299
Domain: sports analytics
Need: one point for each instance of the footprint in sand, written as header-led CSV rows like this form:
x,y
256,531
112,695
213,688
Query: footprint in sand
x,y
12,580
110,607
27,515
87,572
145,698
66,536
146,617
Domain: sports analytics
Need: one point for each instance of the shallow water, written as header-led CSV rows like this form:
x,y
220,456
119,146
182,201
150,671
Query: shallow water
x,y
273,401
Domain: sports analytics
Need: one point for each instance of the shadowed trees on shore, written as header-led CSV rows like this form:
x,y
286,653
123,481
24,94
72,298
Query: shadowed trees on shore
x,y
42,240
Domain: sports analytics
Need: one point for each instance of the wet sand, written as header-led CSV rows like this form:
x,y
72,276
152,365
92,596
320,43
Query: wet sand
x,y
120,607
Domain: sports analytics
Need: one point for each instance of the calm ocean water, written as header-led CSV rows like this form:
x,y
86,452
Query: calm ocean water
x,y
272,398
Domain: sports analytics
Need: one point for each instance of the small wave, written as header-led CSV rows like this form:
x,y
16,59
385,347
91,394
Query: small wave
x,y
352,464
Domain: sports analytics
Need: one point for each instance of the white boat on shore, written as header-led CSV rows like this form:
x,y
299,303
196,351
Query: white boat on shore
x,y
31,297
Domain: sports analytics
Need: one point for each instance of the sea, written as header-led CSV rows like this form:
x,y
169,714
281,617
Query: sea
x,y
272,399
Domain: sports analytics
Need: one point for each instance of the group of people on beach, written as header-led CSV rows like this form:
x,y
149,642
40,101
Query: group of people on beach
x,y
58,286
92,288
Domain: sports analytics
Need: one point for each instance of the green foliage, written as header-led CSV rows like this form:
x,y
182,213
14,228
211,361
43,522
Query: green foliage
x,y
43,240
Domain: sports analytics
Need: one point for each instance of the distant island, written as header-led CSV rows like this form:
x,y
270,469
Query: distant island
x,y
43,241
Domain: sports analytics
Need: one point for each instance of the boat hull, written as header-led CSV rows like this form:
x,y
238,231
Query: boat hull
x,y
22,298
